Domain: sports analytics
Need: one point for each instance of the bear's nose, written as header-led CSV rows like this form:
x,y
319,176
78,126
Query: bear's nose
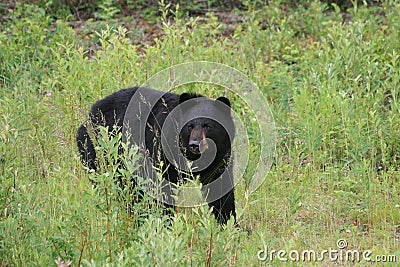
x,y
194,147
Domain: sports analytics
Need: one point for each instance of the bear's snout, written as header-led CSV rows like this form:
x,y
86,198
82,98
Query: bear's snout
x,y
197,147
198,143
194,147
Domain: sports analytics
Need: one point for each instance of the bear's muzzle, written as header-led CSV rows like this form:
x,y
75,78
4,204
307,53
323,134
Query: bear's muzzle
x,y
197,142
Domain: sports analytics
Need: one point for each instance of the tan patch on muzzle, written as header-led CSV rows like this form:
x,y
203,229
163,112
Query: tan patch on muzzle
x,y
200,134
203,143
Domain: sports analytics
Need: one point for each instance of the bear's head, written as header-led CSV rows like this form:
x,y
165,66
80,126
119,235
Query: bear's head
x,y
205,124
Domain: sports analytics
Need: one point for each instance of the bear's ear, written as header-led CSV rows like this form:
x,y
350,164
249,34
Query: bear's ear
x,y
186,96
224,100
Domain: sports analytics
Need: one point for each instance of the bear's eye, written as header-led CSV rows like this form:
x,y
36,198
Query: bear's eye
x,y
207,126
190,127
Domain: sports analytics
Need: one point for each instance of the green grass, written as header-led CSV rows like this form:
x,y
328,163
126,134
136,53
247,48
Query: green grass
x,y
333,88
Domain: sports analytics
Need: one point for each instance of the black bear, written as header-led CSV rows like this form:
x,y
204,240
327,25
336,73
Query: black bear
x,y
176,129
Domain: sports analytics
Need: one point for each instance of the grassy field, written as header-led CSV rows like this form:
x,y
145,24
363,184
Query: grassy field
x,y
332,81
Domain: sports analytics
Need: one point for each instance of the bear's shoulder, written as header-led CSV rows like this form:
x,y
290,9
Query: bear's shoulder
x,y
115,101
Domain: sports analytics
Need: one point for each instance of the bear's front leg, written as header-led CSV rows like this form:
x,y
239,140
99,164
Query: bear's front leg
x,y
224,207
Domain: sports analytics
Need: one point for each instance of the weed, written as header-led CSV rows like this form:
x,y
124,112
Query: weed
x,y
332,82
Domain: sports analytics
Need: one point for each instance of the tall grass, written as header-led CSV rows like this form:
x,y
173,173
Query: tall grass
x,y
332,84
